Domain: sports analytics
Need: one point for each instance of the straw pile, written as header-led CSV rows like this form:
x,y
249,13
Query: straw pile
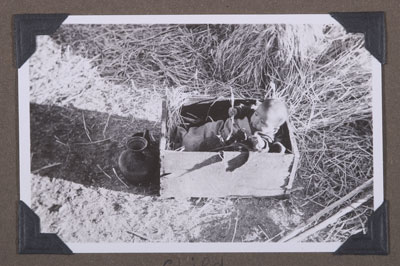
x,y
323,73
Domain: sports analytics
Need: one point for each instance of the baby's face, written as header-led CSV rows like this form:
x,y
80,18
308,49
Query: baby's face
x,y
265,121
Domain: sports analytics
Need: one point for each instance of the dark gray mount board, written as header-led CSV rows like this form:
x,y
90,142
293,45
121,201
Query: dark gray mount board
x,y
31,241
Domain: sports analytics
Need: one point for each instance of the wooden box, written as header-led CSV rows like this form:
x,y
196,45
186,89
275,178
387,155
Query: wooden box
x,y
209,174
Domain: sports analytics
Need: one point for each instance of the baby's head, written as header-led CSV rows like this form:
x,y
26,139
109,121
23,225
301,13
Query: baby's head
x,y
269,116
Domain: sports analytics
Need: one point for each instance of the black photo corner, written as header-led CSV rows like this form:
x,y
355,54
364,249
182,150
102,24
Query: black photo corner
x,y
32,241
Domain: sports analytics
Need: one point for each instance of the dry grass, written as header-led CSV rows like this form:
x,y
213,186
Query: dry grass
x,y
323,73
346,226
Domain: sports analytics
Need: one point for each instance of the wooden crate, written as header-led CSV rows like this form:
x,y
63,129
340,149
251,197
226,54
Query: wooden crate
x,y
210,174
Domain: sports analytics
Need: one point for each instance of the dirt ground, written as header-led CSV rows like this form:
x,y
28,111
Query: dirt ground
x,y
78,213
58,137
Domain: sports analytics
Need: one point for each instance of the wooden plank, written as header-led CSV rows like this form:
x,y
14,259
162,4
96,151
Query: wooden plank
x,y
261,175
177,161
202,99
296,154
163,139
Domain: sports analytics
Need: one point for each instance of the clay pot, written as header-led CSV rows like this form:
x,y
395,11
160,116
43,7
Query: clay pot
x,y
136,162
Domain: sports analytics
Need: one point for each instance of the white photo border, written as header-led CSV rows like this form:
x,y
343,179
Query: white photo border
x,y
24,136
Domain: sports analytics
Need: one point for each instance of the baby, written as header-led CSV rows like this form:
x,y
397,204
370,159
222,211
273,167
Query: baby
x,y
254,127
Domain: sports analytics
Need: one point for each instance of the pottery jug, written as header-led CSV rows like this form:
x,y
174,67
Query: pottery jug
x,y
136,162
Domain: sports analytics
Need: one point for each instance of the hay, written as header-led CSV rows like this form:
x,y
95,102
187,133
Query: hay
x,y
67,79
323,73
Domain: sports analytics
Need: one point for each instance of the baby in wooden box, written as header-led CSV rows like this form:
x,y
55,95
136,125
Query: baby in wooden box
x,y
253,127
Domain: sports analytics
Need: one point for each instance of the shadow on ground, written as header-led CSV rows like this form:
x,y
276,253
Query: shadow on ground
x,y
62,148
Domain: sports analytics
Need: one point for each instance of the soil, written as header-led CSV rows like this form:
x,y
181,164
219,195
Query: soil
x,y
58,137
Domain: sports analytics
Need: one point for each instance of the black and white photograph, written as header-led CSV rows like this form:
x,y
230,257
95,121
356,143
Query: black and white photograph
x,y
230,133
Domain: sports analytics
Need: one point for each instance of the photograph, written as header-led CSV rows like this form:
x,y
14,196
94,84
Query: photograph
x,y
201,133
